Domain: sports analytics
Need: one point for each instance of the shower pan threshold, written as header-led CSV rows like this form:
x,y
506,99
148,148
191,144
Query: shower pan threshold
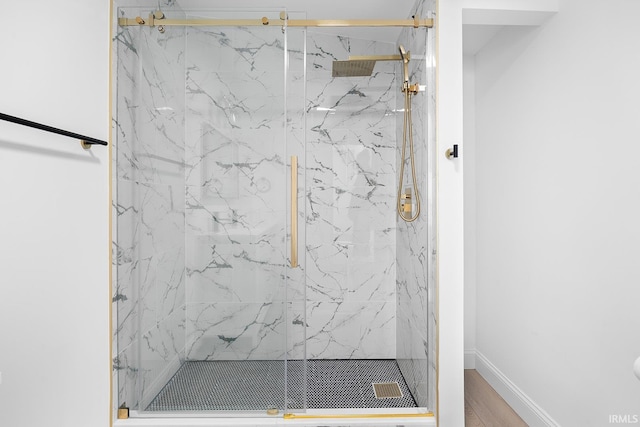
x,y
324,417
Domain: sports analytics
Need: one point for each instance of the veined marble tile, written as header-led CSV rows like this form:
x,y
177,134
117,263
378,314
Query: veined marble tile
x,y
150,108
237,100
160,287
170,282
372,281
125,118
351,329
416,240
296,282
147,294
209,270
236,226
240,88
159,220
296,329
238,174
162,348
350,165
233,273
125,298
345,271
235,221
150,219
237,49
360,221
125,215
125,368
295,89
326,272
236,331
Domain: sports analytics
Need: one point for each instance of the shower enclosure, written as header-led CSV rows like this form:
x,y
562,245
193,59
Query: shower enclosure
x,y
259,263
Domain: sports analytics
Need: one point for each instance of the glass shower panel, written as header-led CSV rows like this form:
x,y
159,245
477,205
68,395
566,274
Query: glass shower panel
x,y
296,284
350,202
237,251
148,208
202,216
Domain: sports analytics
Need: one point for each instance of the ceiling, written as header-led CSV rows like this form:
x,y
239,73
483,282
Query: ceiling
x,y
474,37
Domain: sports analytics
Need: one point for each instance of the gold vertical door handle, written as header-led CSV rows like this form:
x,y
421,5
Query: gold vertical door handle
x,y
294,211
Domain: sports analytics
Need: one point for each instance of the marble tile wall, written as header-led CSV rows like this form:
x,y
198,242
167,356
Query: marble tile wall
x,y
236,206
350,210
416,243
149,206
236,198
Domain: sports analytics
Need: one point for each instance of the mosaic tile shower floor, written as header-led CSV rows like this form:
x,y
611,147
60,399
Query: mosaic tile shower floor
x,y
251,385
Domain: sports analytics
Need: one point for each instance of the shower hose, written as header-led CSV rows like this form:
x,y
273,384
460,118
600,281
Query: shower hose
x,y
407,125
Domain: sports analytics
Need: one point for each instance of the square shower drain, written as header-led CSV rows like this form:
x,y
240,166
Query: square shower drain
x,y
387,390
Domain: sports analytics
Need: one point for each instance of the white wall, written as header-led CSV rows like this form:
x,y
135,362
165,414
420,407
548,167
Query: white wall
x,y
54,208
469,112
450,216
558,202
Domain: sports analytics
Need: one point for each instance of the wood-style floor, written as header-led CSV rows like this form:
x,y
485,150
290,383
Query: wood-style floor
x,y
484,407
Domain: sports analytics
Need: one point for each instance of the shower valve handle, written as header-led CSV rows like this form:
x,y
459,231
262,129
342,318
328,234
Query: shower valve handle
x,y
413,89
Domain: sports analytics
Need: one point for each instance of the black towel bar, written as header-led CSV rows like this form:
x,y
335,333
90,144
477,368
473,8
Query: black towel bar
x,y
86,141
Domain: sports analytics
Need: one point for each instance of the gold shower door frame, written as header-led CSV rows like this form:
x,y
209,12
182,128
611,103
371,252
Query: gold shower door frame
x,y
292,165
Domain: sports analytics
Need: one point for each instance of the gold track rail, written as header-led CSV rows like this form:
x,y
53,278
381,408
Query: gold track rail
x,y
291,416
152,22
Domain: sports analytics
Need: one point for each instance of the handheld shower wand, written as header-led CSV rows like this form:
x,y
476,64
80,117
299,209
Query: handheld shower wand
x,y
405,206
405,64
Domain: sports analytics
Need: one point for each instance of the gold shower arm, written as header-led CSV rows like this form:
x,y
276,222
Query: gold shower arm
x,y
377,57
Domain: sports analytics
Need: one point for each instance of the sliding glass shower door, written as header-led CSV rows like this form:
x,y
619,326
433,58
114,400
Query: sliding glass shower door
x,y
238,216
207,281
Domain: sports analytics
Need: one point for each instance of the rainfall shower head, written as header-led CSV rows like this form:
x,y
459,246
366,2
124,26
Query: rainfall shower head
x,y
362,66
351,68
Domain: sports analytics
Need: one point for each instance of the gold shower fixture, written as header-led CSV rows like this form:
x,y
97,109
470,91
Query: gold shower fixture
x,y
404,205
408,205
360,66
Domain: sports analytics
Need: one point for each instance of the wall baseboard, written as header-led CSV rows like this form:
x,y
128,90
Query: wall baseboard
x,y
470,359
524,406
